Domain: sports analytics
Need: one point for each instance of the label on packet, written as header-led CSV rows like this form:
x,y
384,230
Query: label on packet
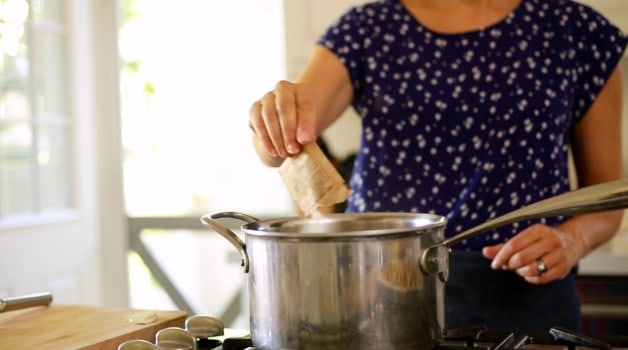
x,y
313,181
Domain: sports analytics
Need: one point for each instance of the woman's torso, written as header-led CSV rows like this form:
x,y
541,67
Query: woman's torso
x,y
469,125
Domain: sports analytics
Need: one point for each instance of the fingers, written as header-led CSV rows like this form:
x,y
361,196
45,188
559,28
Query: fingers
x,y
491,251
306,110
259,127
284,119
552,263
283,111
524,248
537,254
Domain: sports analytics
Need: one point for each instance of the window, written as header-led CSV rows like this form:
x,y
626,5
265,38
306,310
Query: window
x,y
34,121
191,69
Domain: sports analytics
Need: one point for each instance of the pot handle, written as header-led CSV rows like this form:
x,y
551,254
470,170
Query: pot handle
x,y
612,195
209,221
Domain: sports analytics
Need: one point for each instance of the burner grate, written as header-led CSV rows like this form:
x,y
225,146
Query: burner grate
x,y
472,337
479,338
557,338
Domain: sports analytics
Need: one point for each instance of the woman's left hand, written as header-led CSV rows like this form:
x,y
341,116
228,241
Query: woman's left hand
x,y
539,254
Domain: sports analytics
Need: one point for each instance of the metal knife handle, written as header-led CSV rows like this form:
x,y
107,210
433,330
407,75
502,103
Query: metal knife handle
x,y
25,301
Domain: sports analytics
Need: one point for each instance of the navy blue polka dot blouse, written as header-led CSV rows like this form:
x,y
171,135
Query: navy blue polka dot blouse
x,y
471,125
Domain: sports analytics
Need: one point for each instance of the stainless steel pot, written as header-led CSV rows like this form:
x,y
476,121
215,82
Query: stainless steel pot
x,y
367,280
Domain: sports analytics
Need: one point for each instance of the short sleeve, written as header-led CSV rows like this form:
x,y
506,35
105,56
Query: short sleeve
x,y
600,47
346,39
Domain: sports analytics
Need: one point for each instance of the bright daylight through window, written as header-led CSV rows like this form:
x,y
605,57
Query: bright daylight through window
x,y
34,123
190,71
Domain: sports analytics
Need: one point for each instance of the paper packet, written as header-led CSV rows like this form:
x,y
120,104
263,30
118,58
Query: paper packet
x,y
313,181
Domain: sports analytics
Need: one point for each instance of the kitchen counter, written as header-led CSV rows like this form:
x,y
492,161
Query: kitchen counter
x,y
604,264
81,327
611,259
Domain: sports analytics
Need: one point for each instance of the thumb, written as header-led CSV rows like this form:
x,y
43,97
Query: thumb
x,y
306,114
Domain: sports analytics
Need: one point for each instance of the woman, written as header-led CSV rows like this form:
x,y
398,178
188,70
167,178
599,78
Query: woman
x,y
469,109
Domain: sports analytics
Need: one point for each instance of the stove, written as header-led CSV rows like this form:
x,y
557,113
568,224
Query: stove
x,y
555,338
481,338
207,333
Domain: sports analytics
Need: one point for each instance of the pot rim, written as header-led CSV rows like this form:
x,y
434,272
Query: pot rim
x,y
353,225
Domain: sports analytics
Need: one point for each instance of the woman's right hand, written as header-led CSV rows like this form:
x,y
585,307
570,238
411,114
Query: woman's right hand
x,y
294,114
284,119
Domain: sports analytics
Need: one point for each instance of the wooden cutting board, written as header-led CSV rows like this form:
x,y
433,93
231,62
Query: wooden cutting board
x,y
66,327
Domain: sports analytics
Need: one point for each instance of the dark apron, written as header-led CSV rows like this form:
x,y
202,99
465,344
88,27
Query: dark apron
x,y
504,301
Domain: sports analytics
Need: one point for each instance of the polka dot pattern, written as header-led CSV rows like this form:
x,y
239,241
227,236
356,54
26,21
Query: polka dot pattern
x,y
470,125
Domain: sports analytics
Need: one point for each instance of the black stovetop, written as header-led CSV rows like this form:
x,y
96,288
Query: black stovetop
x,y
555,338
481,338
